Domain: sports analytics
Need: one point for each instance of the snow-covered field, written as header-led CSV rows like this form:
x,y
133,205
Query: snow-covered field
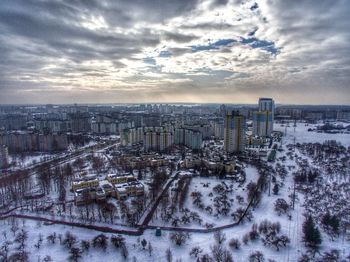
x,y
206,187
303,136
27,160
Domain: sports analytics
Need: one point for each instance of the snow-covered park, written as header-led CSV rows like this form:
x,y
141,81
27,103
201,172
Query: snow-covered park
x,y
308,178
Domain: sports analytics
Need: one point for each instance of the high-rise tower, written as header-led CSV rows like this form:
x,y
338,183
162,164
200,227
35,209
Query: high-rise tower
x,y
263,119
266,104
262,123
234,132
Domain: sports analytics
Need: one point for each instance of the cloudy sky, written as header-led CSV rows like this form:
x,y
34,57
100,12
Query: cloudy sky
x,y
225,51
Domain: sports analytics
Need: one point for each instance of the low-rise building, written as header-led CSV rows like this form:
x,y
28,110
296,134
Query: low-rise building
x,y
125,186
86,182
84,195
108,188
191,162
119,179
100,194
89,188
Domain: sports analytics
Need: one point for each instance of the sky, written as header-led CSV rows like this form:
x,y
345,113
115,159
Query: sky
x,y
210,51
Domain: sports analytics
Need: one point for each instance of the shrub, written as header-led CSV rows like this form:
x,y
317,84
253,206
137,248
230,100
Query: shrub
x,y
234,243
179,238
100,241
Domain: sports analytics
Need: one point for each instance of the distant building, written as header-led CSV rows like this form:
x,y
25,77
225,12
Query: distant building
x,y
135,135
263,120
222,110
103,125
262,123
157,140
288,113
51,125
314,116
193,139
28,141
218,128
151,120
343,115
204,128
80,122
4,156
234,132
188,137
13,121
266,104
125,125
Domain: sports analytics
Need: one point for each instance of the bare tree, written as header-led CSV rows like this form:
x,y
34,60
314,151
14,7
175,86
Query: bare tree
x,y
169,255
75,254
195,252
51,238
219,237
256,256
150,249
179,238
235,243
125,252
100,241
85,245
69,240
220,254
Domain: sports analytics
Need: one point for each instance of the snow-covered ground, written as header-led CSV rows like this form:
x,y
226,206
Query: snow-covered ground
x,y
290,226
27,160
303,136
205,186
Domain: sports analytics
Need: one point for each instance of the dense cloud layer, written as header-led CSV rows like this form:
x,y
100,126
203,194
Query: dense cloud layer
x,y
228,51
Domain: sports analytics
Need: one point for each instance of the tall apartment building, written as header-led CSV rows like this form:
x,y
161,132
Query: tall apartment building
x,y
27,141
262,123
101,124
266,104
193,139
218,129
51,125
263,119
80,122
13,121
188,137
157,140
125,125
132,136
234,132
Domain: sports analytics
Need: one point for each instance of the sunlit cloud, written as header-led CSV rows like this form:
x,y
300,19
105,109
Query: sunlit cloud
x,y
205,51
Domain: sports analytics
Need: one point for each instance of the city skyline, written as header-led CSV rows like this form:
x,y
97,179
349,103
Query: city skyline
x,y
211,51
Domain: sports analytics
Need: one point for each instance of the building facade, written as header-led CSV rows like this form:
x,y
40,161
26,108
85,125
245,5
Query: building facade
x,y
268,104
234,132
188,137
27,142
262,123
157,140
